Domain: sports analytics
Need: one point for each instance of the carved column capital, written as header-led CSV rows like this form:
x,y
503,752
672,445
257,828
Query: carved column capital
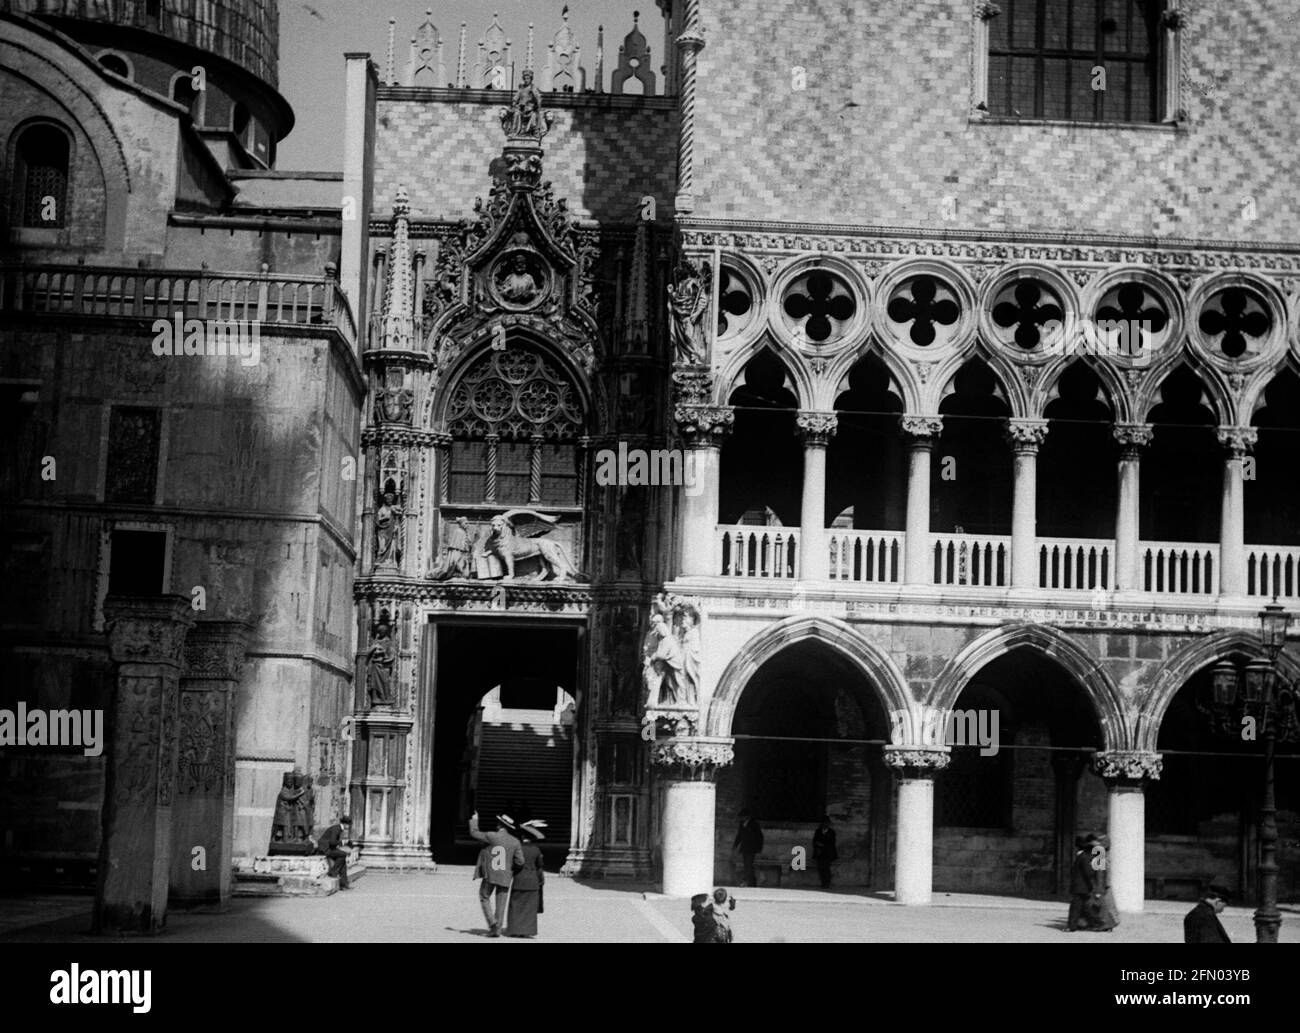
x,y
214,650
921,428
147,629
915,761
704,426
1132,437
692,760
816,428
1238,440
1127,766
1025,436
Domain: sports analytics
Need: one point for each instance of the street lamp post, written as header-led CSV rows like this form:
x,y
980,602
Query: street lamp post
x,y
1270,704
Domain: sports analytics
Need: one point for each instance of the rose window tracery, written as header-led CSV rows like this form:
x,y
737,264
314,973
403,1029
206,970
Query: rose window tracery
x,y
1238,318
1028,306
735,303
926,306
818,306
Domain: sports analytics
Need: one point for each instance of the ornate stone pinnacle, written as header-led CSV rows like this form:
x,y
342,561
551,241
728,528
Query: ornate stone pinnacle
x,y
1026,435
915,426
816,428
1127,765
1238,440
916,759
1133,435
401,203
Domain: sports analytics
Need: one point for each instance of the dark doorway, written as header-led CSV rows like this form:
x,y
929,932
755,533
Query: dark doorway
x,y
524,666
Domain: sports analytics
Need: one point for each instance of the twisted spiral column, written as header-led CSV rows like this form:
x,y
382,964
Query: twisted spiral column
x,y
689,43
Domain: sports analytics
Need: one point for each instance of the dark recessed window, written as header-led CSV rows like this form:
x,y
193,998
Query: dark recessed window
x,y
136,563
1077,60
41,177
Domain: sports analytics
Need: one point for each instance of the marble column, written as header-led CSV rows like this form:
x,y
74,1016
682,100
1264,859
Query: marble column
x,y
914,856
816,429
702,428
1126,773
203,811
145,638
686,769
1024,437
1132,437
1237,441
921,432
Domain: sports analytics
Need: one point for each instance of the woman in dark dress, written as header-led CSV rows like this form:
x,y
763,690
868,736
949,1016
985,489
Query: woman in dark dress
x,y
526,890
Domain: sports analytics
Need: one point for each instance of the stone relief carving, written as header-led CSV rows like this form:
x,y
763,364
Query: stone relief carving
x,y
506,546
688,301
454,552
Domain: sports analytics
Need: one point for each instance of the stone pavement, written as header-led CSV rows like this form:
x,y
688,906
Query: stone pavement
x,y
443,908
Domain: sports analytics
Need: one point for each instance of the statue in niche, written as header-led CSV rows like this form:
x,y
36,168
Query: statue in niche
x,y
453,552
381,660
515,283
295,815
688,299
631,530
525,117
625,668
671,655
387,518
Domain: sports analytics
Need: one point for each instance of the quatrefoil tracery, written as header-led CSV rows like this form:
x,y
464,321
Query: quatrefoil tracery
x,y
1239,316
923,309
1027,312
820,305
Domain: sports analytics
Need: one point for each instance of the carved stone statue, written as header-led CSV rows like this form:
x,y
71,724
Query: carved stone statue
x,y
688,302
671,655
525,117
381,661
387,517
505,547
295,815
453,552
516,284
394,405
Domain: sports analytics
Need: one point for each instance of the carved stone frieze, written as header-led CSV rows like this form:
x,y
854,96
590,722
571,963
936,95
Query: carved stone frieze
x,y
1127,765
914,760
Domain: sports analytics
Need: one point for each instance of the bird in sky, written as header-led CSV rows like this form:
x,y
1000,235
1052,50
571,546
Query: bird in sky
x,y
312,11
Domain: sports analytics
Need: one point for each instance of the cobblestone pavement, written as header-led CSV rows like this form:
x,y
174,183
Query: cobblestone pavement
x,y
443,908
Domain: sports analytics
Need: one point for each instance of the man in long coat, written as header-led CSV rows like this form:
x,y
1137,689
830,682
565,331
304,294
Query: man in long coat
x,y
1083,880
501,856
1201,924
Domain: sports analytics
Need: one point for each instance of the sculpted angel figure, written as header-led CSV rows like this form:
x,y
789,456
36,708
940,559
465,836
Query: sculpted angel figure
x,y
688,300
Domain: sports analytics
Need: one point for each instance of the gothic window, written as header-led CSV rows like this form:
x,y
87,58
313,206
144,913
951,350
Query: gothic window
x,y
41,177
132,474
515,420
1078,60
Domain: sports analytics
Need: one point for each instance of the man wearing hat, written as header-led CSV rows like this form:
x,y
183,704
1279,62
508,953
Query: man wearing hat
x,y
1201,924
501,856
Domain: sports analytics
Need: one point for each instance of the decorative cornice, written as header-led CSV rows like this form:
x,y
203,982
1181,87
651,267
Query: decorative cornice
x,y
921,428
914,760
396,434
816,428
1133,436
1238,440
1025,436
480,596
1127,765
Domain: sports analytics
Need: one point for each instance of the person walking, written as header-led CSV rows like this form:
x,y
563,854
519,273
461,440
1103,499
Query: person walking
x,y
1105,915
749,841
1082,878
526,890
1201,924
501,856
824,850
